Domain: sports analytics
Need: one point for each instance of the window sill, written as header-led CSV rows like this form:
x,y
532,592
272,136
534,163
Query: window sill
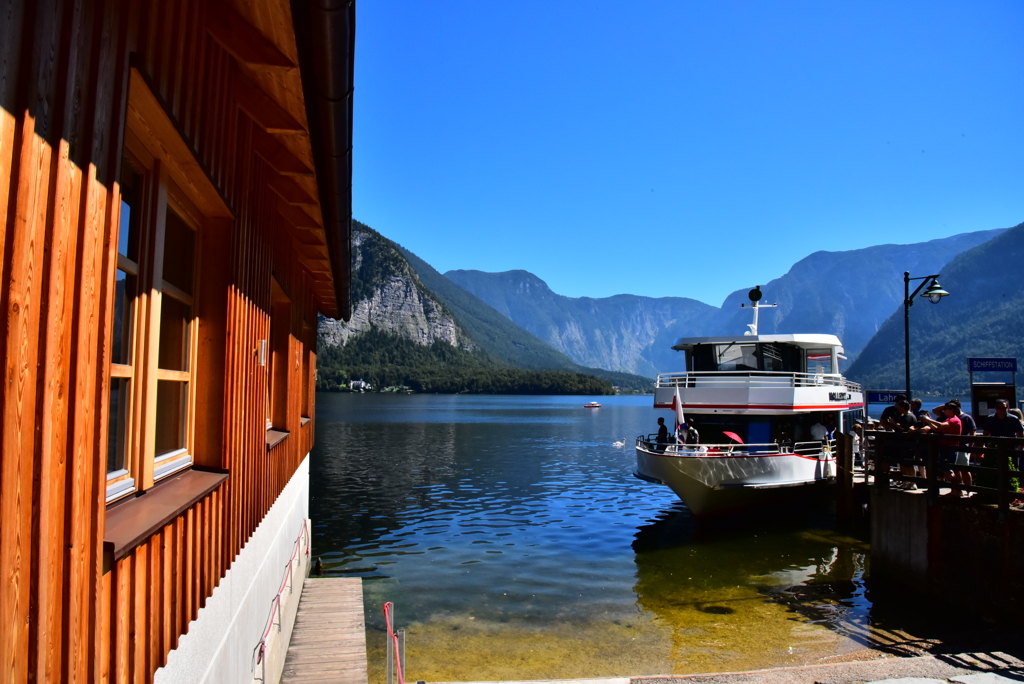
x,y
275,437
120,488
131,522
304,419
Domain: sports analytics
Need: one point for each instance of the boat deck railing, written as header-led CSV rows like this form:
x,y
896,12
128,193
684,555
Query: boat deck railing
x,y
813,449
752,378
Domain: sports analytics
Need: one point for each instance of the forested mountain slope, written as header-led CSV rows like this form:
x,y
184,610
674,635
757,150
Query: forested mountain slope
x,y
403,333
981,317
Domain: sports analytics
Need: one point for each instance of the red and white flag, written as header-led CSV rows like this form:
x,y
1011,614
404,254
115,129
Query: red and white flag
x,y
677,406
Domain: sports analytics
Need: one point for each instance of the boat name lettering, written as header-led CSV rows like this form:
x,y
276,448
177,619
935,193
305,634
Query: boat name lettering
x,y
839,396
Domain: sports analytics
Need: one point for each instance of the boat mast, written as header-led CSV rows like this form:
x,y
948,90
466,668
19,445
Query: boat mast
x,y
755,298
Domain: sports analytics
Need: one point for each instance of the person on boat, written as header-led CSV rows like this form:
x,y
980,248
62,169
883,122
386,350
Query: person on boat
x,y
947,447
662,438
889,415
692,436
818,431
1002,424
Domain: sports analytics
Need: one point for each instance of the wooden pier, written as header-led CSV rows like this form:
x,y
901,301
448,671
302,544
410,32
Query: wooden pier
x,y
328,641
929,540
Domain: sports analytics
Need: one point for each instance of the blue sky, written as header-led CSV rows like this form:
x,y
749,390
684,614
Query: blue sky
x,y
682,148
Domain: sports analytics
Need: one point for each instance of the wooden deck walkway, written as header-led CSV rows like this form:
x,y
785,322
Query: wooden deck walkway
x,y
328,641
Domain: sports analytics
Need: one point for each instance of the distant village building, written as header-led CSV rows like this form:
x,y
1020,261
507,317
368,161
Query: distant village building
x,y
175,187
359,385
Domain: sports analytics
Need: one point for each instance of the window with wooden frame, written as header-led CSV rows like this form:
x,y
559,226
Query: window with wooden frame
x,y
306,403
163,211
154,330
280,332
119,475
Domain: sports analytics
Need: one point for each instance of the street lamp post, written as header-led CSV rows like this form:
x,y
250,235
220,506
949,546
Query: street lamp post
x,y
934,293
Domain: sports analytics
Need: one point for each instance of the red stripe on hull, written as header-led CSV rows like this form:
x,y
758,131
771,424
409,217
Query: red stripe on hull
x,y
747,407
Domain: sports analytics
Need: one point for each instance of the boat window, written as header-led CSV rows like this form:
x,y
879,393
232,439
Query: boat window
x,y
819,361
736,357
851,417
771,358
702,358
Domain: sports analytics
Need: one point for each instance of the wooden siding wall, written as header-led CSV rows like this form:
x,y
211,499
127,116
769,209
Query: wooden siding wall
x,y
63,89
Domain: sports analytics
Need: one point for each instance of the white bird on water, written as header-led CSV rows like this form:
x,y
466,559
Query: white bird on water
x,y
620,443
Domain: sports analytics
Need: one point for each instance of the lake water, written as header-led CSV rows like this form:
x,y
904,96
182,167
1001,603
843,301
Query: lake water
x,y
515,543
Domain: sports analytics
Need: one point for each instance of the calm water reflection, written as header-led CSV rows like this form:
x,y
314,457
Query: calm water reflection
x,y
515,543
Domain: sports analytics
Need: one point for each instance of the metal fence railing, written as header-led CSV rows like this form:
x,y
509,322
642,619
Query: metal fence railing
x,y
760,379
813,449
994,464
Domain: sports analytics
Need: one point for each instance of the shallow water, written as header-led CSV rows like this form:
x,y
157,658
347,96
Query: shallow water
x,y
515,544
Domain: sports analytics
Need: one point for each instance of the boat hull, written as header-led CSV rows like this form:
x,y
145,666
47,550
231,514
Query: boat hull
x,y
715,482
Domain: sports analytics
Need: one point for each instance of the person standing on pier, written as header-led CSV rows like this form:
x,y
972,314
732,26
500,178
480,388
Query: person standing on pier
x,y
1004,425
947,447
968,427
906,422
891,413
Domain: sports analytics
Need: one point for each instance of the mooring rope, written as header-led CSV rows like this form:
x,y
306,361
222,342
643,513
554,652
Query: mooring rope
x,y
388,607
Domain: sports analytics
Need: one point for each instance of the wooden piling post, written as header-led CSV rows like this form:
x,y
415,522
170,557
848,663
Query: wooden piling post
x,y
1003,481
933,470
844,481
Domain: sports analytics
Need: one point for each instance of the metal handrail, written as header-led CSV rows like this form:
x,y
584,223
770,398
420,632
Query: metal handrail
x,y
813,448
879,463
753,378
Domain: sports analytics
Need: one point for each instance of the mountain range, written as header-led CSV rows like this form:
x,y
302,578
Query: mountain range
x,y
980,318
625,332
514,320
848,294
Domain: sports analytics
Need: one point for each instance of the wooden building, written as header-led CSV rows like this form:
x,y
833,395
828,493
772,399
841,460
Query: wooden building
x,y
175,194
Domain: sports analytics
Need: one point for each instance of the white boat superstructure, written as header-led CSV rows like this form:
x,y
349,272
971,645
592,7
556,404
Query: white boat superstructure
x,y
766,407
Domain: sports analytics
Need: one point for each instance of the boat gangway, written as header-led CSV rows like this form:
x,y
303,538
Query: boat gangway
x,y
328,642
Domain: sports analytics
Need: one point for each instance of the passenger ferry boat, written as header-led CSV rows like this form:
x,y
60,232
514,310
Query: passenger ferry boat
x,y
759,403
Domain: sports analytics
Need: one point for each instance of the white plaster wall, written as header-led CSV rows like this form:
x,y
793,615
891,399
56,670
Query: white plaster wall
x,y
218,646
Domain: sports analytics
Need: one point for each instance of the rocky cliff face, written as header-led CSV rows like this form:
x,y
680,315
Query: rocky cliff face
x,y
388,295
624,333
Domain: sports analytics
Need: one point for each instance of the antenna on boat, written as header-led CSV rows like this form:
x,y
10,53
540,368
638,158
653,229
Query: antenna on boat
x,y
755,297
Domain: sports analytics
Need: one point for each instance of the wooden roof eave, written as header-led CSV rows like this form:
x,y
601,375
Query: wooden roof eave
x,y
273,83
325,37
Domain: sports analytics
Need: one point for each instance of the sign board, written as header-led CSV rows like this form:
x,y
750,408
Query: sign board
x,y
883,396
983,399
980,365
